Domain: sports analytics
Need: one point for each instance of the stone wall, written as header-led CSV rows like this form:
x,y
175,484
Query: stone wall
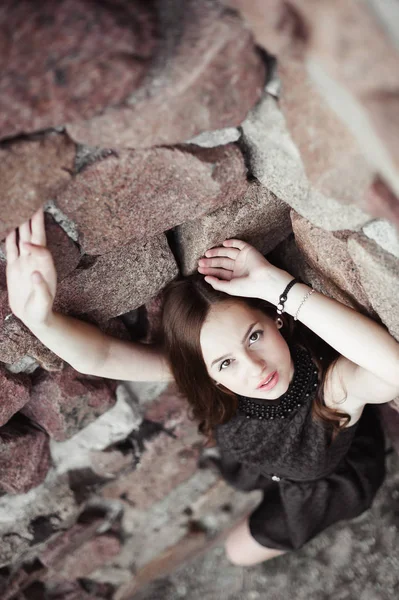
x,y
152,131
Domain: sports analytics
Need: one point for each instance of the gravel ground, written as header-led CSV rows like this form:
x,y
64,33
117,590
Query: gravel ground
x,y
352,560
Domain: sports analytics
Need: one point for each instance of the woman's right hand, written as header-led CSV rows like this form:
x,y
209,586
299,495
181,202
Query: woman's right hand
x,y
31,274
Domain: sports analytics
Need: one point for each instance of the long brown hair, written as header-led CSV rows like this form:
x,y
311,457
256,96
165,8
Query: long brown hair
x,y
186,305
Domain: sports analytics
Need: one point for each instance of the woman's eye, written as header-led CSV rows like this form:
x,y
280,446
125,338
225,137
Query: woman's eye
x,y
225,364
255,336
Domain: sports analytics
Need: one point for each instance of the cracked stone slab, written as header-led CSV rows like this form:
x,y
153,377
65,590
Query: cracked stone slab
x,y
385,234
31,172
52,499
140,194
203,50
64,403
63,221
379,275
15,393
119,281
82,57
328,255
274,159
210,139
110,427
258,217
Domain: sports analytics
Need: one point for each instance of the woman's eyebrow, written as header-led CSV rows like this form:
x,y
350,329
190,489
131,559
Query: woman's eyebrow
x,y
248,332
242,341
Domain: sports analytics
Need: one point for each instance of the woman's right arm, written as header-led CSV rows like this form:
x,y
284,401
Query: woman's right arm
x,y
90,351
32,282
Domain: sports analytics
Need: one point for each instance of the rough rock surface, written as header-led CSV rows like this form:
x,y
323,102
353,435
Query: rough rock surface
x,y
28,519
378,272
130,278
24,456
65,252
14,394
333,160
140,194
349,560
328,255
359,84
381,201
169,458
192,86
385,234
31,172
65,74
16,341
79,551
286,256
274,159
63,403
248,218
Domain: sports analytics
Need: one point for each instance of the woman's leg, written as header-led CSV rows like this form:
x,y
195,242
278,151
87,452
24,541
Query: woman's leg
x,y
242,549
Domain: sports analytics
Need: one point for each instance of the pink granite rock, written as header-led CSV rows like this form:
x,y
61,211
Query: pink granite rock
x,y
382,202
359,83
289,257
81,58
379,275
14,393
383,108
65,402
91,555
333,158
167,460
275,160
370,60
65,252
140,194
323,29
17,341
328,254
277,26
24,456
258,217
109,464
31,172
78,551
203,54
118,281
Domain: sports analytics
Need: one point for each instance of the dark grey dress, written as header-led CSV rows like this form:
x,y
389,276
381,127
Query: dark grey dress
x,y
307,486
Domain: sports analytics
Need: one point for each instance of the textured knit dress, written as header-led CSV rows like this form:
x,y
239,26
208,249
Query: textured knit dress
x,y
307,485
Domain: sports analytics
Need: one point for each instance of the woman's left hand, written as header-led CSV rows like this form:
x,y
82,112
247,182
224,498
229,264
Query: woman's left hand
x,y
237,268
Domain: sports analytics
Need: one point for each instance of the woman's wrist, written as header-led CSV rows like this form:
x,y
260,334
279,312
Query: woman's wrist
x,y
274,283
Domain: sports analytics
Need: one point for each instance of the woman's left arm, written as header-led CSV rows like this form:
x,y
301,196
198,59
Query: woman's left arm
x,y
371,373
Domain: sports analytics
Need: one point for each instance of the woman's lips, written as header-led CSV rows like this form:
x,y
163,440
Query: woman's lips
x,y
268,386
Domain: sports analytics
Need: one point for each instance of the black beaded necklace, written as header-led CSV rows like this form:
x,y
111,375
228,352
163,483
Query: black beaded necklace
x,y
302,386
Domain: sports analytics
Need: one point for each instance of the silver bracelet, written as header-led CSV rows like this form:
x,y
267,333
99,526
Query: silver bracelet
x,y
303,302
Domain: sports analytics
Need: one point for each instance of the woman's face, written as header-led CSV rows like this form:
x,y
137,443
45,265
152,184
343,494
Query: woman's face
x,y
242,348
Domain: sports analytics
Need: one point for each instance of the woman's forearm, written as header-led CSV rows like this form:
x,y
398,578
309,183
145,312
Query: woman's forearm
x,y
355,336
80,344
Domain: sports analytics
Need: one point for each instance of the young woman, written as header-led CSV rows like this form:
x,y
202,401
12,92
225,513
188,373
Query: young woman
x,y
283,393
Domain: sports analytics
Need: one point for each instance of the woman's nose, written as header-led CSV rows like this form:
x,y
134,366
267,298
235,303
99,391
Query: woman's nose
x,y
255,364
